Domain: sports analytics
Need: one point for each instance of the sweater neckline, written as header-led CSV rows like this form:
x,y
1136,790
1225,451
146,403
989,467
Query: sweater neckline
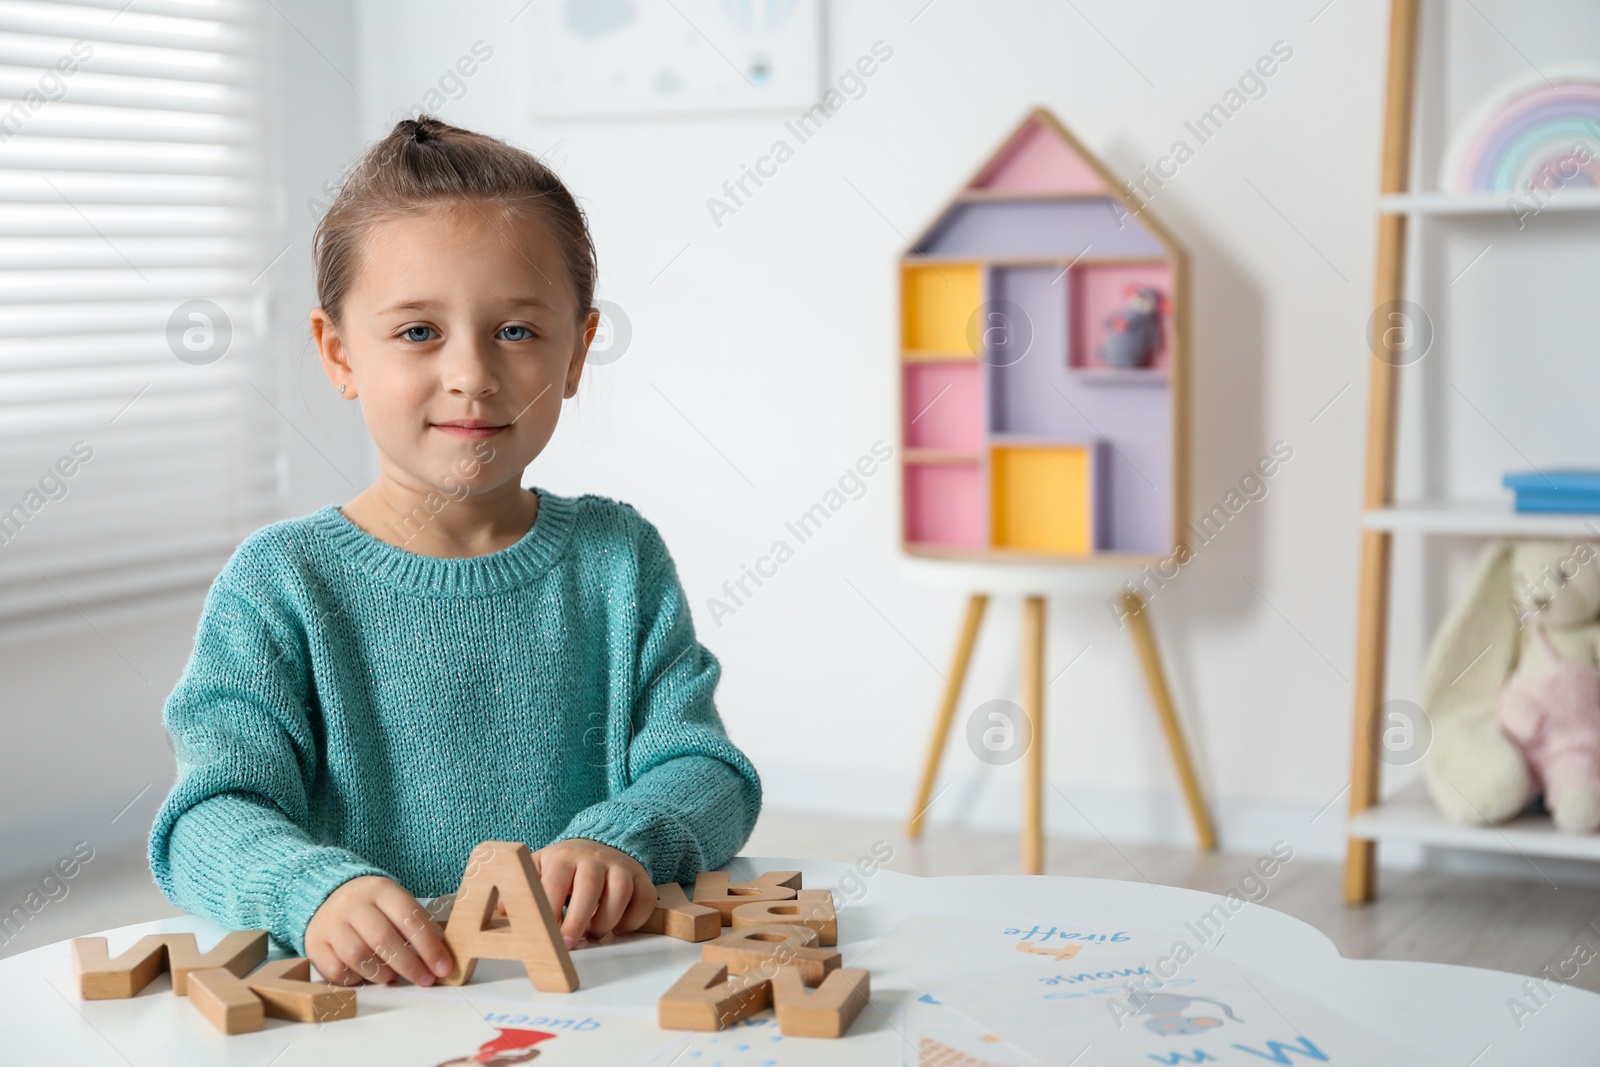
x,y
512,567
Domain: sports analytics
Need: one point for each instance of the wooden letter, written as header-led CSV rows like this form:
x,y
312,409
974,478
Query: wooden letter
x,y
826,1013
287,992
705,998
238,952
813,909
713,889
225,999
763,949
503,872
102,978
676,916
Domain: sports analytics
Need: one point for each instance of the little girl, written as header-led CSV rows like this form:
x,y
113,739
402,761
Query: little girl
x,y
449,658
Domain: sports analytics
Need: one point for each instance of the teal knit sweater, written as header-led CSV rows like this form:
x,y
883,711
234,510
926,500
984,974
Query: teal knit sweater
x,y
354,708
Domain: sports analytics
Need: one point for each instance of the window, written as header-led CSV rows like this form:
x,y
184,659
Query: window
x,y
136,447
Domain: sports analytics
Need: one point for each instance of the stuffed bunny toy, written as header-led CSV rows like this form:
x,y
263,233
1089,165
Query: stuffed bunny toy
x,y
1511,688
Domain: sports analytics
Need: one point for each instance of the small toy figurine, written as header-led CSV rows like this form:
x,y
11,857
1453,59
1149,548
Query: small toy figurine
x,y
1135,330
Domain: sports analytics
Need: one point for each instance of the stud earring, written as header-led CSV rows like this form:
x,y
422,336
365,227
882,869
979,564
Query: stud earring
x,y
341,388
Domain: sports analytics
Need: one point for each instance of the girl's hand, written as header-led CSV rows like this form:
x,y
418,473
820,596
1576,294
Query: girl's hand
x,y
609,890
371,930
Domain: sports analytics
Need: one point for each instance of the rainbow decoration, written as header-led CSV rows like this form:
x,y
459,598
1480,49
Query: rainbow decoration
x,y
1530,139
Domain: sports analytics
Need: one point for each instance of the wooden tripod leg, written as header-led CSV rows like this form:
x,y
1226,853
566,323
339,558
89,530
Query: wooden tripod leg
x,y
1144,640
947,709
1372,637
1033,760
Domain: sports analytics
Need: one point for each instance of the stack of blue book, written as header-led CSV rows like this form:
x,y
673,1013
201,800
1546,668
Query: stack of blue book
x,y
1567,492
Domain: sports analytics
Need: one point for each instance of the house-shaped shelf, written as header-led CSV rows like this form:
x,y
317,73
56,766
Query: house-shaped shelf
x,y
1042,330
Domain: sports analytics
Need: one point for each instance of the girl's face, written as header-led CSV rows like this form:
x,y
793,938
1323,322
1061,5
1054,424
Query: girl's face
x,y
461,336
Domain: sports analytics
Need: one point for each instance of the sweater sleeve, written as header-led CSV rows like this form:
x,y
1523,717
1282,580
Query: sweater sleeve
x,y
232,840
683,798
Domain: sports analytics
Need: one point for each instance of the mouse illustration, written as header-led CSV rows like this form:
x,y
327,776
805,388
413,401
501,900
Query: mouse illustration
x,y
1166,1013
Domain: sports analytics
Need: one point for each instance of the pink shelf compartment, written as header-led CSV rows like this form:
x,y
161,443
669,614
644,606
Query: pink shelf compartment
x,y
944,405
946,504
1093,293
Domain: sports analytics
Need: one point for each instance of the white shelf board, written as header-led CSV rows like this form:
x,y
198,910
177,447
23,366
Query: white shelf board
x,y
1487,203
1410,815
1480,518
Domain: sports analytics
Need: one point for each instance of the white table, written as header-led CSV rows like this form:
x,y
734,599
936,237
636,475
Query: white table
x,y
1461,1014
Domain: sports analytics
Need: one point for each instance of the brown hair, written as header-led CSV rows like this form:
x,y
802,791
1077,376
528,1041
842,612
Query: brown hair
x,y
423,162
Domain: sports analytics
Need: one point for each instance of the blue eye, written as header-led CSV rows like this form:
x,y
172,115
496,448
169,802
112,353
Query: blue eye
x,y
411,331
526,334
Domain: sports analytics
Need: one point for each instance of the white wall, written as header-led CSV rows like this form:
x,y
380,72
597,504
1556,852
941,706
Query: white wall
x,y
772,338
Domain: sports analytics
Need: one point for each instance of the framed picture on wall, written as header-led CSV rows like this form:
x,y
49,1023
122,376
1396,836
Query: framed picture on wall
x,y
629,58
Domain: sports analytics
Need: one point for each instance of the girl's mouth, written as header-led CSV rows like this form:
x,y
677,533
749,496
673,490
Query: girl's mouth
x,y
475,432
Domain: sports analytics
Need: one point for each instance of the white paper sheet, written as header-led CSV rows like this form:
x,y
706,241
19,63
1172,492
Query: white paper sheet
x,y
1136,998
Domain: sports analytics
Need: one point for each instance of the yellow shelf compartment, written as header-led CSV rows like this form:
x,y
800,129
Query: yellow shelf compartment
x,y
937,300
1044,496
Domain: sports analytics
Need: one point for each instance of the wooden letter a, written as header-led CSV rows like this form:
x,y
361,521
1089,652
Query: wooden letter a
x,y
503,871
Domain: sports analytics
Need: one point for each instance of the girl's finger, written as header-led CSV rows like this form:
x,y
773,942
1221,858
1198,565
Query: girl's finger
x,y
322,956
419,930
556,878
354,955
618,892
389,948
588,882
340,939
641,906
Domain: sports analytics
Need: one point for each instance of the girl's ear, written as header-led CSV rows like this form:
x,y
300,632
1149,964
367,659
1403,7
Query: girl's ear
x,y
581,350
335,361
591,326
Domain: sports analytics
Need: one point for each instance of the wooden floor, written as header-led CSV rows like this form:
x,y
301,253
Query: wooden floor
x,y
1501,924
1517,926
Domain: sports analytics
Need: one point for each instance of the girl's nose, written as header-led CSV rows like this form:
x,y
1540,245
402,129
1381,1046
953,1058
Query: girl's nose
x,y
467,369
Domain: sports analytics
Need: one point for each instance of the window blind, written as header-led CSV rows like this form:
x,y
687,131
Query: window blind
x,y
139,443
